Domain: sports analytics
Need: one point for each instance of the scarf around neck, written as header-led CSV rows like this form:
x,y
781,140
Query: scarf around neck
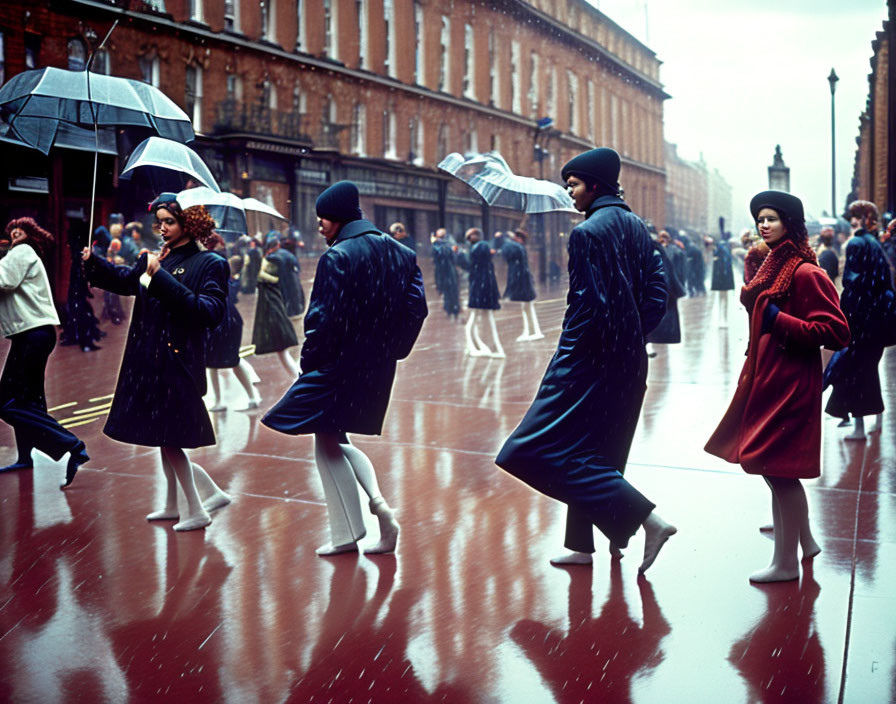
x,y
776,272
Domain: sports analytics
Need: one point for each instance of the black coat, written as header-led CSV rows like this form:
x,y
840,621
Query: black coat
x,y
249,278
446,276
520,286
584,415
224,341
867,292
722,269
483,283
290,283
668,332
158,398
365,311
696,269
678,261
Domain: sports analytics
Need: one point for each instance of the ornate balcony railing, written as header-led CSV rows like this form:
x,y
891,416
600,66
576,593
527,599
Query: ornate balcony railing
x,y
252,118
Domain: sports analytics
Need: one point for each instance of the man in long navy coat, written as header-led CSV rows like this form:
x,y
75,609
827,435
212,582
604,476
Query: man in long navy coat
x,y
573,443
366,309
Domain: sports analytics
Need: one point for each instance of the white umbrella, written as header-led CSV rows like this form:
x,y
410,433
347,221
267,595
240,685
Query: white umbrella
x,y
258,206
226,208
161,156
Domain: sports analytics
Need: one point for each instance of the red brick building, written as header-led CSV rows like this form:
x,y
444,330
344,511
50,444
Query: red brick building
x,y
289,95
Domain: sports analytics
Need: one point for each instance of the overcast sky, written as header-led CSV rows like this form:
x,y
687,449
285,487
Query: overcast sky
x,y
745,75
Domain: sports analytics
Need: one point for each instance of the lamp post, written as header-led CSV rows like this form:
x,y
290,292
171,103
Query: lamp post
x,y
832,79
540,153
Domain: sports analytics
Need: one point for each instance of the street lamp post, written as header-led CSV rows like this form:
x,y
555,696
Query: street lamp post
x,y
832,79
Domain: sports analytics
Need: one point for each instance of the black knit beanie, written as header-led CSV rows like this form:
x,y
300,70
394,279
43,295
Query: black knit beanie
x,y
598,166
339,203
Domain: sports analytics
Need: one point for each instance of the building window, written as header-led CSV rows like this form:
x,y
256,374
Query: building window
x,y
495,143
445,55
469,63
443,149
550,102
101,62
234,87
494,74
299,101
363,42
359,125
32,51
415,129
419,70
300,25
150,70
328,27
77,55
516,97
389,135
268,94
591,109
268,10
196,10
471,139
232,15
614,122
533,85
193,96
389,36
572,99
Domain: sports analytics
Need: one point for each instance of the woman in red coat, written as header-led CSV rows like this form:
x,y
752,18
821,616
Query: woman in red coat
x,y
773,425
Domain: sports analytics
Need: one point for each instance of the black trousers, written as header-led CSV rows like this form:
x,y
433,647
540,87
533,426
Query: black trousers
x,y
23,404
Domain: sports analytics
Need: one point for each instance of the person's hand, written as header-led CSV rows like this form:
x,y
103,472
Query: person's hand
x,y
86,254
152,263
768,318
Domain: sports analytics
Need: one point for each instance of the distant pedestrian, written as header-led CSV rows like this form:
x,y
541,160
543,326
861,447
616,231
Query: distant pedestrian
x,y
400,233
722,277
444,266
773,425
696,269
273,331
483,296
827,257
668,332
573,442
364,314
520,283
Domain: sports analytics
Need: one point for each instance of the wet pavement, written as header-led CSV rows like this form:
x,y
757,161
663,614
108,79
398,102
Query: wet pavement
x,y
97,604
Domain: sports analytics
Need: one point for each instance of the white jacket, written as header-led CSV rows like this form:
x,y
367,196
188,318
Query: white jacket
x,y
25,300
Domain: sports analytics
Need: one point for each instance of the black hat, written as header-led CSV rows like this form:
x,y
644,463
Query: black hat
x,y
781,202
599,166
169,202
339,203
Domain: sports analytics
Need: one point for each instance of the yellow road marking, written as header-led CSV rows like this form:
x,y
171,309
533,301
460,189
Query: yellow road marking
x,y
83,422
88,411
64,405
100,398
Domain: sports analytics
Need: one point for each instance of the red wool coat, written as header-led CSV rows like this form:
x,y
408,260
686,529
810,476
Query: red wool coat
x,y
773,425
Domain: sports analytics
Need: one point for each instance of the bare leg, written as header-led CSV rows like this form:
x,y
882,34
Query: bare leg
x,y
246,367
170,512
537,334
475,346
366,477
791,515
859,432
878,426
241,372
288,362
217,406
341,493
656,533
526,333
197,516
499,351
213,497
723,309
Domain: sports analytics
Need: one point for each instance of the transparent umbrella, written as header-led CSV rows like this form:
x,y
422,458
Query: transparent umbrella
x,y
226,208
490,176
168,162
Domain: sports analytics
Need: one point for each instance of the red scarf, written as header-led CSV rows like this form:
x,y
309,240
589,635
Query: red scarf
x,y
776,272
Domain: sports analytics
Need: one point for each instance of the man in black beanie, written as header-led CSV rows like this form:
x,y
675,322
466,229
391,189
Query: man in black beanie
x,y
573,443
365,311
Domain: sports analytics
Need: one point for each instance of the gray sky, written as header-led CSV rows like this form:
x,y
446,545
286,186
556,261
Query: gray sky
x,y
745,75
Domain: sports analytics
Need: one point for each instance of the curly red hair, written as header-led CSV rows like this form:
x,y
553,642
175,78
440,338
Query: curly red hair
x,y
39,238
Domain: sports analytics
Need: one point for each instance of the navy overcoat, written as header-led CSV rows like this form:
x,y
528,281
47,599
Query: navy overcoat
x,y
483,283
867,285
225,340
446,276
158,398
366,309
520,286
722,268
573,442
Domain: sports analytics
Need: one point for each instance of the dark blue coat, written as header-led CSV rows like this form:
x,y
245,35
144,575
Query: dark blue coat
x,y
520,286
867,296
483,283
366,309
722,269
581,423
446,276
158,398
668,332
225,340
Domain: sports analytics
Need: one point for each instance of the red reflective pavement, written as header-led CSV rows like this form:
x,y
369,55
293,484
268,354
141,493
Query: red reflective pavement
x,y
99,605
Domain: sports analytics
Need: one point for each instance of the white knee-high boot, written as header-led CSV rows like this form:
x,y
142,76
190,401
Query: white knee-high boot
x,y
341,493
536,329
526,333
499,351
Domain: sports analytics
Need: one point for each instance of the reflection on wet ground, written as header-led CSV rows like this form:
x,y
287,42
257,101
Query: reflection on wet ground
x,y
99,605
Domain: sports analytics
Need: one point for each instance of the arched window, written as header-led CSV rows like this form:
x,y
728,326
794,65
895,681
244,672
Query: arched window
x,y
77,55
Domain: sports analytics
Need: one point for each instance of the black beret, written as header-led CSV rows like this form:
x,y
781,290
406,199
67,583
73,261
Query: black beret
x,y
781,202
599,165
339,203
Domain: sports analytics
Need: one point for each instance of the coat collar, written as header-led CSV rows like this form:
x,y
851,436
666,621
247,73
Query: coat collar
x,y
606,202
356,228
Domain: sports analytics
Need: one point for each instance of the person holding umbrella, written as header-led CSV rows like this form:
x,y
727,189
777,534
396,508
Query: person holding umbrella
x,y
364,314
27,317
180,294
573,442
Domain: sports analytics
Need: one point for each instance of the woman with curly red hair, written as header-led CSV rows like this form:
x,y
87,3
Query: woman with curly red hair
x,y
180,294
773,425
27,318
